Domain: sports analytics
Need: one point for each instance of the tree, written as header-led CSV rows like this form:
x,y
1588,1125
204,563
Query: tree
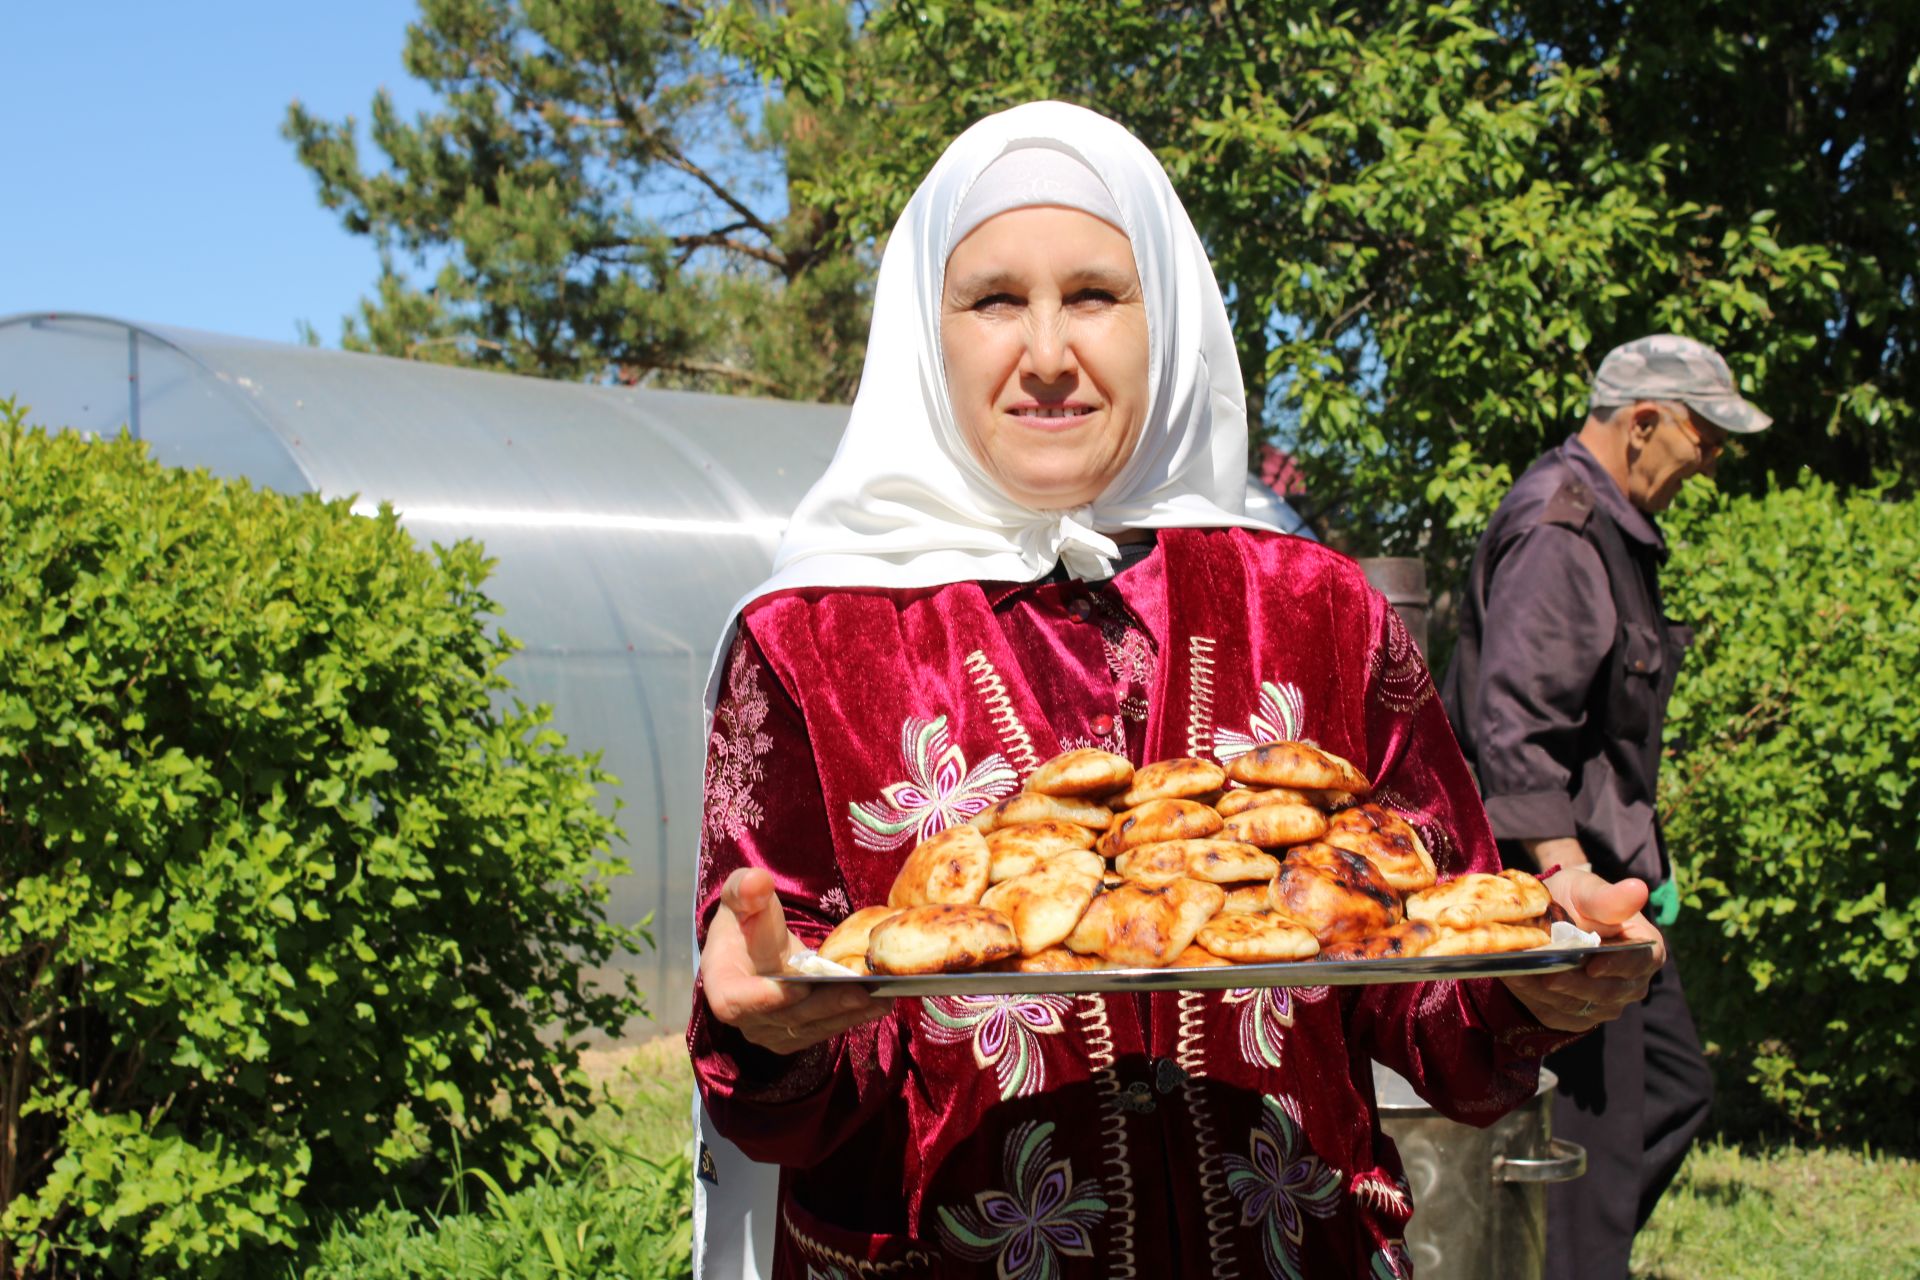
x,y
603,198
1425,228
1812,112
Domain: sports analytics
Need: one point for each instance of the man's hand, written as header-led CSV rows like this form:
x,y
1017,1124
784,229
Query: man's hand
x,y
747,940
1599,991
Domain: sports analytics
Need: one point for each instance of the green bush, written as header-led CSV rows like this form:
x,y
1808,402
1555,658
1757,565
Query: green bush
x,y
291,903
1791,795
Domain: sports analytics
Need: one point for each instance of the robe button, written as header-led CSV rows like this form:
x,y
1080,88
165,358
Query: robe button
x,y
1102,725
1081,609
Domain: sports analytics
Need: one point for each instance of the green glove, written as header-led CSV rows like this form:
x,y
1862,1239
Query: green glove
x,y
1663,904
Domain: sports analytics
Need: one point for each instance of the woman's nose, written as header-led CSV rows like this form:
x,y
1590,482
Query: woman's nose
x,y
1049,344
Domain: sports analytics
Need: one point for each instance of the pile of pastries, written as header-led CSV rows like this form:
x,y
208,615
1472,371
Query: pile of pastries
x,y
1276,857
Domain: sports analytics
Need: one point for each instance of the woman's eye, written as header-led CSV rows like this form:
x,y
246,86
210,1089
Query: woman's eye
x,y
995,301
1091,297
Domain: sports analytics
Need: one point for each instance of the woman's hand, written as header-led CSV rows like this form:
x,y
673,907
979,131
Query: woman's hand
x,y
1600,990
747,940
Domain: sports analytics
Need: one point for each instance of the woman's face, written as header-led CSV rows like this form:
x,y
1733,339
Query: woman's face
x,y
1044,331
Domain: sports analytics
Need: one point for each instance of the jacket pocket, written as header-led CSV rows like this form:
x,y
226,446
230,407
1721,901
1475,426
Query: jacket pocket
x,y
1642,678
813,1246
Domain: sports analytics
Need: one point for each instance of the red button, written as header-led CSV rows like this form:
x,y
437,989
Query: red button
x,y
1081,609
1102,725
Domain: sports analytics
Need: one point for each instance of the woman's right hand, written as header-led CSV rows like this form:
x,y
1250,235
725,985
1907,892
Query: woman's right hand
x,y
747,940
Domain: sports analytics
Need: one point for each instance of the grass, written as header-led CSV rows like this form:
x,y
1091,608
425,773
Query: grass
x,y
1739,1213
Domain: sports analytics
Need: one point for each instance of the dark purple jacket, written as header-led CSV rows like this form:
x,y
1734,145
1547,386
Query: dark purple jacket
x,y
1558,690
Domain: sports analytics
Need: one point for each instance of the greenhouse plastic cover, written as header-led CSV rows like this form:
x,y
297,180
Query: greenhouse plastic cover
x,y
625,524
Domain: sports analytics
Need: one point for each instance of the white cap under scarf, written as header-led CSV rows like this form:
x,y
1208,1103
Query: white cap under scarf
x,y
904,503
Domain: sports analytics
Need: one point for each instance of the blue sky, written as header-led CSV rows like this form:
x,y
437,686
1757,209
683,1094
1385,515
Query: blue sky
x,y
142,172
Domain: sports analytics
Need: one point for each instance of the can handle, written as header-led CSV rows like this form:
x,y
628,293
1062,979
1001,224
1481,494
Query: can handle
x,y
1564,1162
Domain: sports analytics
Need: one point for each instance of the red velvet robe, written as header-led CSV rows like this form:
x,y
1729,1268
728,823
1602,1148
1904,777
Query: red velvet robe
x,y
1222,1134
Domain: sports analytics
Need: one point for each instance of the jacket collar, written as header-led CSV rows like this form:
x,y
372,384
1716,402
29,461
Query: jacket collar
x,y
1629,519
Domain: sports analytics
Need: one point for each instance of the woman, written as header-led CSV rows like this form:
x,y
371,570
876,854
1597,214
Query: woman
x,y
1031,539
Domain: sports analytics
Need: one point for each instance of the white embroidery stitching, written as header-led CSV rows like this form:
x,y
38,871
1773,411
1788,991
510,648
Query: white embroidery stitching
x,y
1100,1057
1006,721
1200,710
1215,1198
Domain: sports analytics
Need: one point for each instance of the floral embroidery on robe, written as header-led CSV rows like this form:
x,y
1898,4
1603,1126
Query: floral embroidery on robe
x,y
1041,1218
1264,1013
734,755
1277,1182
1005,1032
939,790
1282,714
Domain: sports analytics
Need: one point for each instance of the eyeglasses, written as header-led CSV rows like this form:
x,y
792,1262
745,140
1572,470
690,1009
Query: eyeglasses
x,y
1709,446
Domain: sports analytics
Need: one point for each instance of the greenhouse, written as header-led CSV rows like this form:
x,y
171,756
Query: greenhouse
x,y
625,524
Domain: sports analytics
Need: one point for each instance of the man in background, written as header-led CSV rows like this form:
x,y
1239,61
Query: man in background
x,y
1558,692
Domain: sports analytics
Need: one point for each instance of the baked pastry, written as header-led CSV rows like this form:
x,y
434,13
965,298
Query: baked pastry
x,y
848,941
1480,898
1276,826
1257,937
1250,896
1083,772
1052,960
1241,799
1408,938
1489,939
1299,765
1182,778
1337,894
1388,841
1033,806
940,937
1157,821
950,867
1197,957
1018,849
1145,925
1045,904
1216,861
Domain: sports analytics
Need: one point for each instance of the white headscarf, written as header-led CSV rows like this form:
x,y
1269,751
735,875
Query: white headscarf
x,y
905,504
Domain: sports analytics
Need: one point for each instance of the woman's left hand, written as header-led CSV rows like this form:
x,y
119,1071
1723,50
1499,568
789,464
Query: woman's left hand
x,y
1600,990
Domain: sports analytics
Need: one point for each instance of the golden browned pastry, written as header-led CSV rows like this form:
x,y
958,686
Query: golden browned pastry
x,y
1259,937
1241,799
1251,896
940,937
1183,778
1197,957
1156,821
1408,938
1217,861
1053,960
1337,894
1488,939
1145,925
849,938
1388,841
1085,771
1299,765
1479,898
1032,806
951,867
1017,850
1044,905
1276,826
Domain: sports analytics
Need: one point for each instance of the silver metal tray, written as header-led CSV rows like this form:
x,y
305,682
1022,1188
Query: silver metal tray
x,y
1302,973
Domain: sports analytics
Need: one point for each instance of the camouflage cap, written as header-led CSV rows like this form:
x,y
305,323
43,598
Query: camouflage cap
x,y
1669,367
